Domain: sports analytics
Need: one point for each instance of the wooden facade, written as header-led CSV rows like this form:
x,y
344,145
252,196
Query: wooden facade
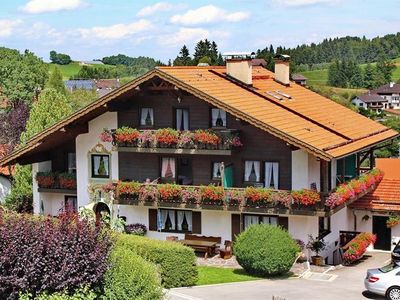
x,y
258,145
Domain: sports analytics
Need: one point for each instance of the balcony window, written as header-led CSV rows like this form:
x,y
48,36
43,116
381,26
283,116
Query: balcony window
x,y
72,163
146,117
259,219
272,175
168,169
182,119
100,166
216,170
252,171
174,220
218,117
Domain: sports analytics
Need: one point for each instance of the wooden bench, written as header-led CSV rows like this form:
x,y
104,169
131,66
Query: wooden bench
x,y
206,244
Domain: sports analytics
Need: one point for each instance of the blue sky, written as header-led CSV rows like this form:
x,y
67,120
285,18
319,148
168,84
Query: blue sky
x,y
88,29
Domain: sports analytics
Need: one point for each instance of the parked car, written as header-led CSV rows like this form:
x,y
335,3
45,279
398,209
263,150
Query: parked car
x,y
396,252
384,281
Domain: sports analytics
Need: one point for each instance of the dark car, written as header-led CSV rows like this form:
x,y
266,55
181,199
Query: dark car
x,y
396,252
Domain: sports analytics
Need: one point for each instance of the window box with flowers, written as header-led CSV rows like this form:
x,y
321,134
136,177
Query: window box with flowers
x,y
148,193
393,221
206,139
46,180
305,199
212,195
128,191
167,137
191,195
258,197
356,248
126,136
235,198
67,181
170,193
354,189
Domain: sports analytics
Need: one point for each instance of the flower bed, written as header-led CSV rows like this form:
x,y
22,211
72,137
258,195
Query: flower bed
x,y
171,138
358,246
354,188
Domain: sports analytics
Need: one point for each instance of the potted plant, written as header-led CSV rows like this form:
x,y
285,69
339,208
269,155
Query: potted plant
x,y
67,181
45,179
316,245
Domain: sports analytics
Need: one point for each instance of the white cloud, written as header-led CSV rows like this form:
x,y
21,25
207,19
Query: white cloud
x,y
7,27
208,14
151,9
116,31
40,6
183,36
304,2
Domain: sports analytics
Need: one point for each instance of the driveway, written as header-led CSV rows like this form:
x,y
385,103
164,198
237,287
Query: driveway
x,y
349,284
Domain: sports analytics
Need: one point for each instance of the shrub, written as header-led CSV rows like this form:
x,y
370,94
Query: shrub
x,y
40,255
131,277
80,294
265,250
177,262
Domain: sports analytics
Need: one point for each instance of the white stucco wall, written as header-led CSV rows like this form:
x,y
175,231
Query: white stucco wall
x,y
40,167
5,187
305,170
84,144
301,226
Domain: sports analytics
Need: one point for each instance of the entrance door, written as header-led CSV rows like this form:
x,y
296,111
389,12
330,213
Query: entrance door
x,y
383,234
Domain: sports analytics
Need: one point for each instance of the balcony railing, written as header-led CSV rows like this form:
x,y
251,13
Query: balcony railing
x,y
168,140
56,182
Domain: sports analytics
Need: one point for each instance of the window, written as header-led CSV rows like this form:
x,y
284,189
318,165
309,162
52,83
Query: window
x,y
168,167
218,117
174,220
216,170
146,117
72,163
71,203
272,175
252,171
324,227
259,219
182,119
100,166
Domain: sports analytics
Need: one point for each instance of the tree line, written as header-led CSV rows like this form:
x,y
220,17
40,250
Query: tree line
x,y
356,49
205,51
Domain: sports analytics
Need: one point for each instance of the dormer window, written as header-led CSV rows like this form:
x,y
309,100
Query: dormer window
x,y
218,117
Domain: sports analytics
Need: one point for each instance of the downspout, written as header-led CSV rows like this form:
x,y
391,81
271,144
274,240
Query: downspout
x,y
355,220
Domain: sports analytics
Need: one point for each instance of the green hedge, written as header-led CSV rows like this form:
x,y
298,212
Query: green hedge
x,y
131,277
265,250
80,294
177,263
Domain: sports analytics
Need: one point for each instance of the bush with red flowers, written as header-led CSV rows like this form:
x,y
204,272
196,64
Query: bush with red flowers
x,y
167,136
169,192
126,135
46,179
306,197
212,194
67,181
358,246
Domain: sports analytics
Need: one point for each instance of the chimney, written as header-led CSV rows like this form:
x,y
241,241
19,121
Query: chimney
x,y
391,84
282,70
239,67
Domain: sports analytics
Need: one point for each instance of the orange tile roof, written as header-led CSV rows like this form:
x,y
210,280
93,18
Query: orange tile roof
x,y
307,120
390,166
385,198
4,149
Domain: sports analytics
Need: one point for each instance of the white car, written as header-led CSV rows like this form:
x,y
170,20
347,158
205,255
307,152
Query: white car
x,y
384,281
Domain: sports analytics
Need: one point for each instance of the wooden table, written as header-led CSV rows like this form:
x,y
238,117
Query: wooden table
x,y
206,246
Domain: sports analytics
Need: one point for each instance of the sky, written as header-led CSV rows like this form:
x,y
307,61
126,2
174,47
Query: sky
x,y
92,29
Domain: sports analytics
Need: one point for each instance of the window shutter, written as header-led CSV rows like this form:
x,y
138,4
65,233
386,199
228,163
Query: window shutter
x,y
284,222
152,219
196,222
235,225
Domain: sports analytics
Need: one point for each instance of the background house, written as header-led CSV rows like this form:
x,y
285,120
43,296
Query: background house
x,y
80,84
5,176
371,101
299,79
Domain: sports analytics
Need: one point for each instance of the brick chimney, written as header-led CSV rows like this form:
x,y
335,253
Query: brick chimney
x,y
282,70
239,67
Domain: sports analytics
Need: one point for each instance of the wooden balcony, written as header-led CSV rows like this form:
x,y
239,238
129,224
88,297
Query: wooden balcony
x,y
56,182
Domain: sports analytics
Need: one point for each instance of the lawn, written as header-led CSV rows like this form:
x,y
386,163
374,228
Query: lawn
x,y
214,275
72,69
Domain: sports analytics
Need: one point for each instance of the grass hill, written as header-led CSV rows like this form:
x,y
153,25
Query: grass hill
x,y
72,69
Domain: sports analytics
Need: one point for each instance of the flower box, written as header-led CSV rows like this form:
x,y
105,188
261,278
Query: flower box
x,y
357,247
170,193
305,198
212,202
46,179
67,181
212,194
